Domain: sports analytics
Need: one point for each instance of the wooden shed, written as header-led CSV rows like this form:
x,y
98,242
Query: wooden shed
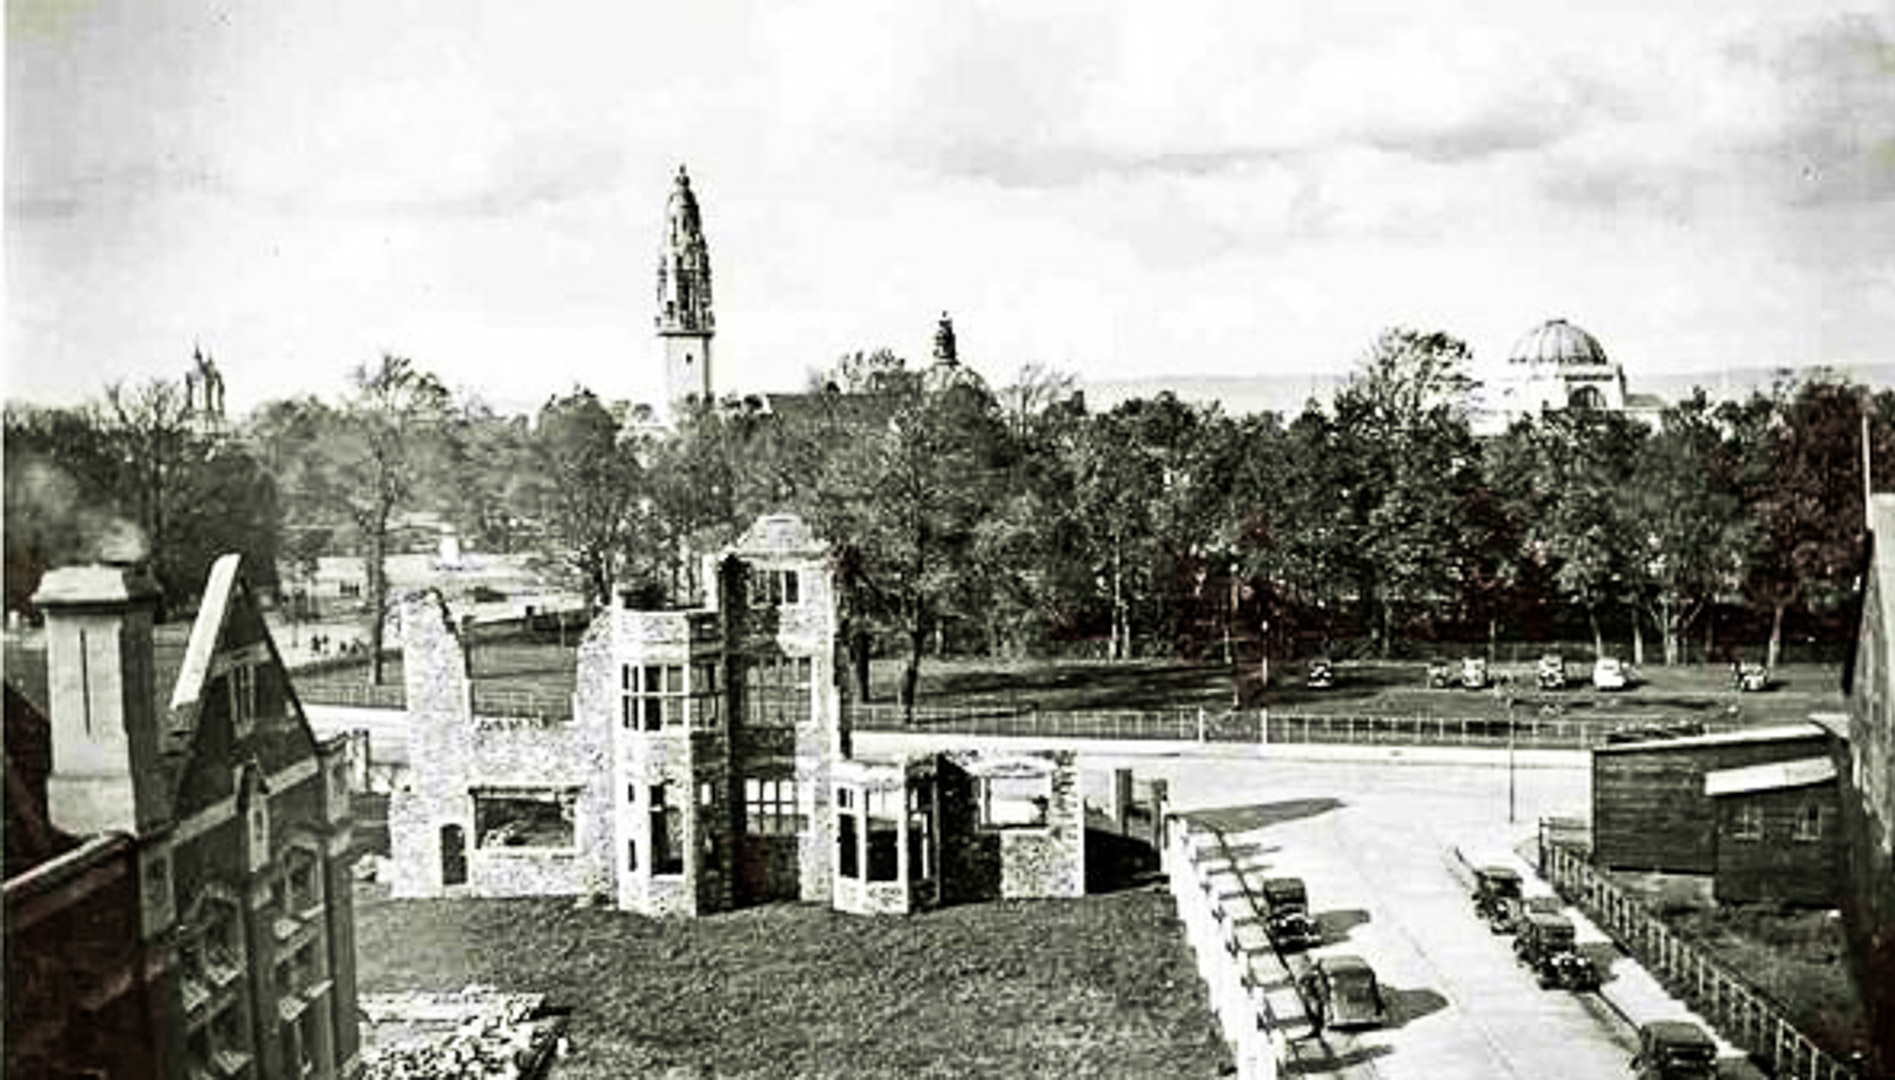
x,y
1777,834
1649,806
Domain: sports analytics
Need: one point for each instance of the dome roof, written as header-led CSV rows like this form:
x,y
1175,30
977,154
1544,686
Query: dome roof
x,y
1557,341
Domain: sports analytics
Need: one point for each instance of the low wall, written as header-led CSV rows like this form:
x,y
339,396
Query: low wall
x,y
1252,992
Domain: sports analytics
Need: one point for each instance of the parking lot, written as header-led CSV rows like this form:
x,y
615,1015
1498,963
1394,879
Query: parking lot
x,y
1372,843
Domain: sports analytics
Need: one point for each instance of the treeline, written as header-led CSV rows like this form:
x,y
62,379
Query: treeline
x,y
1016,522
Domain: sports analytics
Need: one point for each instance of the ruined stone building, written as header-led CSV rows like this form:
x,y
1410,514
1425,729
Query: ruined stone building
x,y
707,764
178,848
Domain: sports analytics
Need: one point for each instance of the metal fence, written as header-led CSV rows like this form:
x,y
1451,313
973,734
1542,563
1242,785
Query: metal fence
x,y
352,692
489,700
1742,1015
1258,725
1176,725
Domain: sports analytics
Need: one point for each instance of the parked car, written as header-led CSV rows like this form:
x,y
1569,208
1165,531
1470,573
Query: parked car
x,y
1321,675
1674,1050
1545,946
1493,885
1440,674
1551,674
1609,674
1474,674
1514,913
1286,914
1344,992
1750,678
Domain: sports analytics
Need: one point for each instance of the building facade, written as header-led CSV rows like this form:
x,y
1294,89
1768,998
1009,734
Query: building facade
x,y
684,318
1652,807
1868,777
197,920
1778,834
707,764
1557,367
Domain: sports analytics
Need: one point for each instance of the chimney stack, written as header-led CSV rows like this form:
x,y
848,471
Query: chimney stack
x,y
106,767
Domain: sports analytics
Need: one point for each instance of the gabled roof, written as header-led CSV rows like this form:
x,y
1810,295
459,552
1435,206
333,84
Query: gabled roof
x,y
1770,777
202,747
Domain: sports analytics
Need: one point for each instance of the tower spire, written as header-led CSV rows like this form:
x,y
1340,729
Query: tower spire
x,y
684,318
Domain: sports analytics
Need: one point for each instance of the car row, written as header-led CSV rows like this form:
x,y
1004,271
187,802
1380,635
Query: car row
x,y
1543,938
1338,991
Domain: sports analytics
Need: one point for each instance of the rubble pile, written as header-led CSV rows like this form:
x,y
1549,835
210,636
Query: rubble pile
x,y
478,1033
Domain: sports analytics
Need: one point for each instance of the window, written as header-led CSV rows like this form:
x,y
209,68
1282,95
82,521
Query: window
x,y
631,854
884,821
1748,824
705,709
777,588
305,881
667,830
770,808
846,864
1587,398
534,818
242,681
652,696
921,830
1015,800
777,691
1809,823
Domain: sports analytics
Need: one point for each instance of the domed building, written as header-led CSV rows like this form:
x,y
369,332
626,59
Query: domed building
x,y
1555,366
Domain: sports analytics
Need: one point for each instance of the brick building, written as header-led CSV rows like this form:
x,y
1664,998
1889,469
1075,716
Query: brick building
x,y
707,764
180,903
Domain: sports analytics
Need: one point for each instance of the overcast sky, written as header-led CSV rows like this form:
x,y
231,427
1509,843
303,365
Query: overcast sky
x,y
1117,191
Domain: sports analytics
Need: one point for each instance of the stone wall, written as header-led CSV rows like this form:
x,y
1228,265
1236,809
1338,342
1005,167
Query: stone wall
x,y
1051,861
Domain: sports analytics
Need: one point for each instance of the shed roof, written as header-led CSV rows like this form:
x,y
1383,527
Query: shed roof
x,y
1775,733
1770,776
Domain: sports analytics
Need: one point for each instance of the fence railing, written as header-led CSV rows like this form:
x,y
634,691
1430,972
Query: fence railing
x,y
353,692
1179,725
1259,725
1742,1015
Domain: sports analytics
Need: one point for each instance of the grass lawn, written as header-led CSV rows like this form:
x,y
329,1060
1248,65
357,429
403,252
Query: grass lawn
x,y
1798,957
1363,688
1102,986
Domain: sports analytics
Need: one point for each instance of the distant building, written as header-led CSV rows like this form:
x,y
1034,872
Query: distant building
x,y
1656,805
1554,367
178,902
685,321
204,395
707,764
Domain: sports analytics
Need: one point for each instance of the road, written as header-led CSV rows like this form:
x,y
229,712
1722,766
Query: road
x,y
1371,842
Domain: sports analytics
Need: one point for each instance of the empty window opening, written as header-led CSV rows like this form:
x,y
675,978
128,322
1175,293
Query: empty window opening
x,y
1015,801
667,829
523,818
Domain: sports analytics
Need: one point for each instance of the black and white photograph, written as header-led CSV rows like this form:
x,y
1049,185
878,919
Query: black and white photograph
x,y
820,538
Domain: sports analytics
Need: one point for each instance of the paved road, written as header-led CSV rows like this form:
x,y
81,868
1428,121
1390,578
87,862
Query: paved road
x,y
1370,840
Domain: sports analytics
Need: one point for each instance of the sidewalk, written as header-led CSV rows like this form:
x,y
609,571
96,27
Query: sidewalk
x,y
1628,988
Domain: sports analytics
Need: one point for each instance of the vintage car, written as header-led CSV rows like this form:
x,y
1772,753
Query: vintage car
x,y
1286,914
1321,675
1493,887
1515,912
1343,990
1750,678
1609,674
1474,673
1674,1050
1551,673
1545,945
1440,674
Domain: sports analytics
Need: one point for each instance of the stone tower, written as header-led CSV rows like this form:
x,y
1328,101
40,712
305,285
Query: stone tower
x,y
685,323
